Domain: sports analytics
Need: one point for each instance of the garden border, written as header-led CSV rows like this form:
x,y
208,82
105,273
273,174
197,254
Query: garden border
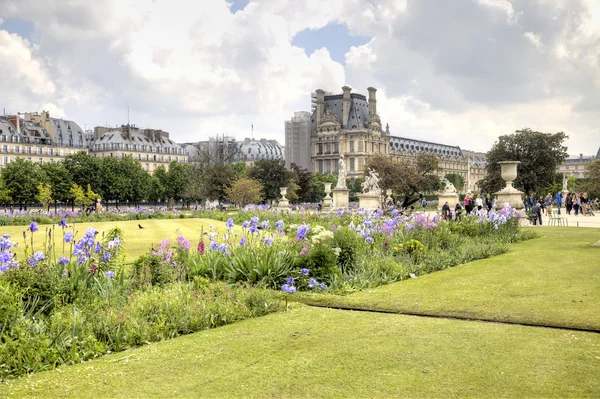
x,y
458,317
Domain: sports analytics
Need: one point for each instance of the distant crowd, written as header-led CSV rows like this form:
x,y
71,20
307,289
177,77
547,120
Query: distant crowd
x,y
535,207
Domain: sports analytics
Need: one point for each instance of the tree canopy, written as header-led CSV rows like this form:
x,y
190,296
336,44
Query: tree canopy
x,y
273,175
406,179
21,178
539,153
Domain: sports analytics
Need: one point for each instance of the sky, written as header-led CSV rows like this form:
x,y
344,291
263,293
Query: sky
x,y
454,72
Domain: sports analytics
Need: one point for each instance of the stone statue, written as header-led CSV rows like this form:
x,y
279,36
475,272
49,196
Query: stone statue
x,y
565,183
449,187
341,183
371,183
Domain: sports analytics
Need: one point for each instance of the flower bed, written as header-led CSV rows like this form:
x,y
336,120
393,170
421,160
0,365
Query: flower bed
x,y
74,300
23,218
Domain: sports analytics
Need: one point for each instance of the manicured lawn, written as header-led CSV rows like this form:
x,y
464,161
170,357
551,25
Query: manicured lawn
x,y
551,280
323,353
137,241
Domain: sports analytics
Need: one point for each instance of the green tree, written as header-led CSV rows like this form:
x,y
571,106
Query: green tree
x,y
156,191
44,196
80,196
245,191
592,183
457,180
216,180
84,169
407,179
4,192
160,173
177,180
139,179
115,182
540,155
302,177
58,176
22,178
273,175
316,186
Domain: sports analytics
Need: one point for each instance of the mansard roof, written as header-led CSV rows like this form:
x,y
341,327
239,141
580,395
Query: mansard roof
x,y
358,116
404,144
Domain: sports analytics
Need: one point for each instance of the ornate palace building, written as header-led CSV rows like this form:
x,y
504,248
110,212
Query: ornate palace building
x,y
346,124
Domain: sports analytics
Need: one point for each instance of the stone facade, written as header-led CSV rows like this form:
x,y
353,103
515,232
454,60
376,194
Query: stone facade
x,y
476,163
27,139
576,166
150,147
346,124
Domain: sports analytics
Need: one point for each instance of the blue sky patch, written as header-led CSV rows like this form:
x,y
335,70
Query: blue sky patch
x,y
334,37
237,5
18,26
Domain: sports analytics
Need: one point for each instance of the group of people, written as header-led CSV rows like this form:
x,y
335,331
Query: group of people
x,y
579,203
471,203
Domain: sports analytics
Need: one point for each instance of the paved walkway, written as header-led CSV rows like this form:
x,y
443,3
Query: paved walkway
x,y
576,221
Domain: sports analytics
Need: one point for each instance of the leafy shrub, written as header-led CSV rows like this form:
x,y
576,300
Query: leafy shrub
x,y
85,330
349,244
321,260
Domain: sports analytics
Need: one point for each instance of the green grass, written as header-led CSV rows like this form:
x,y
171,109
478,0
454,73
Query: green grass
x,y
551,280
323,353
137,241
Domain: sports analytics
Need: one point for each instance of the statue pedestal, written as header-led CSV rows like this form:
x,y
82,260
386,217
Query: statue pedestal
x,y
327,202
451,198
341,197
510,196
370,201
284,204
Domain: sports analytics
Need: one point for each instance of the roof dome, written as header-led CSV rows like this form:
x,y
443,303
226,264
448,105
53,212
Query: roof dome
x,y
254,150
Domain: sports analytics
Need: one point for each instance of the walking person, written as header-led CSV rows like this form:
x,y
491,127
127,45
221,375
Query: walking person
x,y
577,204
558,199
479,203
468,204
548,200
446,213
569,203
488,202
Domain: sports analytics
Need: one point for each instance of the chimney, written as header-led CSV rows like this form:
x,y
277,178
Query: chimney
x,y
18,123
580,156
372,101
346,105
320,104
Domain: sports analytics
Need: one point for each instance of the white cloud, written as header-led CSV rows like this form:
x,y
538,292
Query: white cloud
x,y
456,72
534,39
25,81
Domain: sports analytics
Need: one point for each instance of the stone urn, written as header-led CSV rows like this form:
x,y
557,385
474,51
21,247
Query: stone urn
x,y
509,174
509,194
327,201
327,189
283,202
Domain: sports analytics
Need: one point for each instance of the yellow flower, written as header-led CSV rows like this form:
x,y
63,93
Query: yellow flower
x,y
421,249
400,245
395,248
